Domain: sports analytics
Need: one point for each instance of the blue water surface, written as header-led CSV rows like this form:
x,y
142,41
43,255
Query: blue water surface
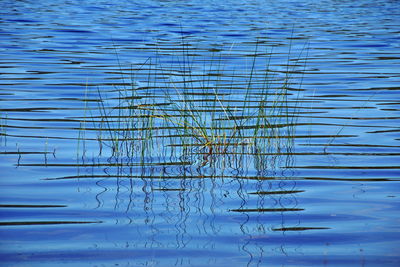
x,y
331,201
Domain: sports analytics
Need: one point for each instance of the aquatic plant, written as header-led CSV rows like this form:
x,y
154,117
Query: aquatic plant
x,y
195,115
3,129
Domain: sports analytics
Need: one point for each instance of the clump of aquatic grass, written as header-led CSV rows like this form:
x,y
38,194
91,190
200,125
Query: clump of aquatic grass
x,y
3,129
197,115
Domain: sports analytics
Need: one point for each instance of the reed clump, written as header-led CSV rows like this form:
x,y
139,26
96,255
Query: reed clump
x,y
196,110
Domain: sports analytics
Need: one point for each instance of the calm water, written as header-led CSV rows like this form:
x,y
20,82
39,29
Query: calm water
x,y
322,191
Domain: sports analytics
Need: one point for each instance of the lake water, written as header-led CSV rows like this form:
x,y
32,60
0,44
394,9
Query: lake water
x,y
200,133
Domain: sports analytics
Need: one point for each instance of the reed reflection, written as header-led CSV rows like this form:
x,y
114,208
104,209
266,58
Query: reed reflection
x,y
172,206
